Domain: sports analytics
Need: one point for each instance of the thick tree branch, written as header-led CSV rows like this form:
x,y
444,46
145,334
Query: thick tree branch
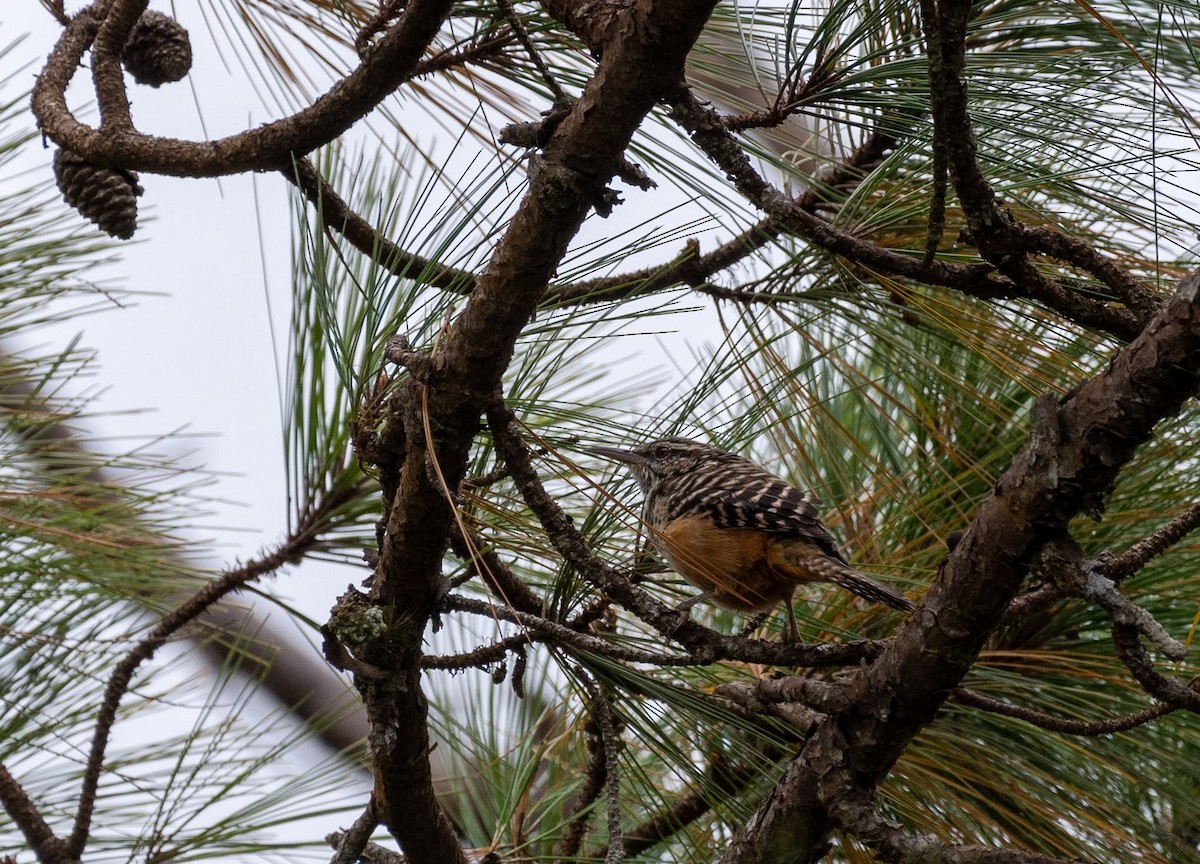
x,y
350,845
1074,455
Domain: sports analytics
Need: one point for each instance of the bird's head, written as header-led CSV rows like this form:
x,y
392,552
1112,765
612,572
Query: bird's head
x,y
666,457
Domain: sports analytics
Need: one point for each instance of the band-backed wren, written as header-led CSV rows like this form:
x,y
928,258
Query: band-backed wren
x,y
743,536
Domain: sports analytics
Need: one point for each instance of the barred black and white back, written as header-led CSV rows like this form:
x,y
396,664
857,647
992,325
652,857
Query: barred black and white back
x,y
682,478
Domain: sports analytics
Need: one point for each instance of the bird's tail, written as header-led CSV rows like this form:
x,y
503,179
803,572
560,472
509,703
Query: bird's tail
x,y
865,587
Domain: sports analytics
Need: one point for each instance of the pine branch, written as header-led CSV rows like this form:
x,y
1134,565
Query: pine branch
x,y
977,280
1000,238
339,216
684,810
1074,455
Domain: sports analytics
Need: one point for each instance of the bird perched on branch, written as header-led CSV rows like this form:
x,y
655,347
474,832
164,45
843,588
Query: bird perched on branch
x,y
743,536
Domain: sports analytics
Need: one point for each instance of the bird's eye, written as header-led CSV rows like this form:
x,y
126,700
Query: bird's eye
x,y
662,451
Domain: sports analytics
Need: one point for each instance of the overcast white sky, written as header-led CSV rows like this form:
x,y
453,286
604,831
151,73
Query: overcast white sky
x,y
198,353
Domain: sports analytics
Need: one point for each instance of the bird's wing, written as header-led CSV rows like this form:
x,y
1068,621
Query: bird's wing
x,y
770,504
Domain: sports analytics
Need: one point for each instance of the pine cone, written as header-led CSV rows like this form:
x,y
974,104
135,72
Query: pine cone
x,y
106,196
158,50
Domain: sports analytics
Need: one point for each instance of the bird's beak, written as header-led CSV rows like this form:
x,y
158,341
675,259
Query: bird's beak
x,y
628,457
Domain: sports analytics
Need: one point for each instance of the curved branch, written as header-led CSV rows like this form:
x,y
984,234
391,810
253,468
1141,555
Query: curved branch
x,y
267,147
1129,648
291,550
107,76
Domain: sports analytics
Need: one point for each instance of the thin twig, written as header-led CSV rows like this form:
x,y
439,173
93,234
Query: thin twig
x,y
478,51
610,742
1136,556
544,629
1049,722
561,99
480,657
1118,568
937,206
